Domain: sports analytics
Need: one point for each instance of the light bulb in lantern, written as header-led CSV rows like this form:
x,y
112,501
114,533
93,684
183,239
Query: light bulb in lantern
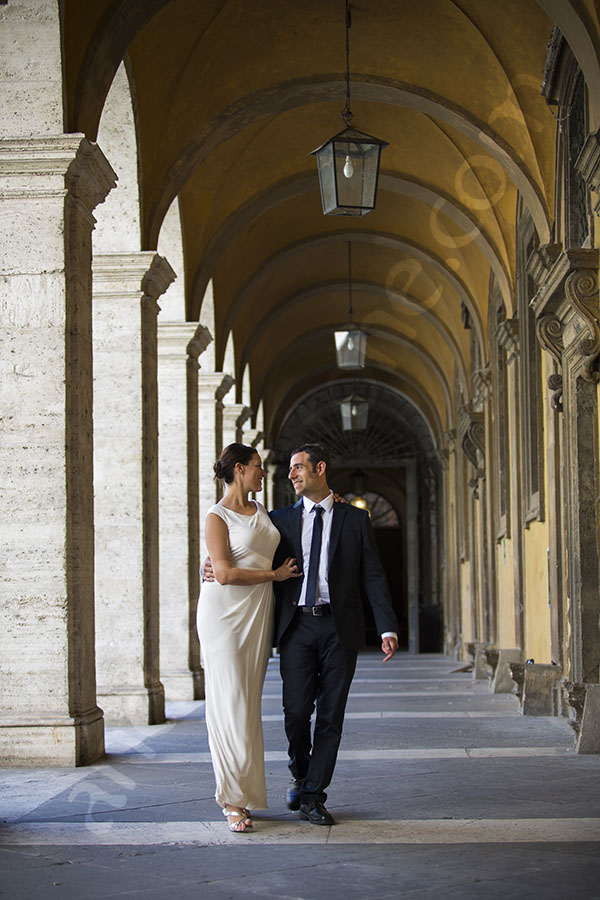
x,y
350,343
353,410
348,167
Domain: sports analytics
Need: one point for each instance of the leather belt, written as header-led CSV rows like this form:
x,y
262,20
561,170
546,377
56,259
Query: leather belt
x,y
323,610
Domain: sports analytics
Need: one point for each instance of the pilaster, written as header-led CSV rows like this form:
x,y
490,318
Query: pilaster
x,y
126,289
48,186
567,308
179,346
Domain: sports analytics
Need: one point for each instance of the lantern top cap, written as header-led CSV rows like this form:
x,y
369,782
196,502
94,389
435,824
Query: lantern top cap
x,y
350,326
352,135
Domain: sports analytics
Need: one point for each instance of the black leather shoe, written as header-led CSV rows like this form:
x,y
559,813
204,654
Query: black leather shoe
x,y
292,796
316,814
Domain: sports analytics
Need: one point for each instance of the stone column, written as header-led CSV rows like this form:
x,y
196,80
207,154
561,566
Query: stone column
x,y
212,387
48,189
507,334
126,288
179,346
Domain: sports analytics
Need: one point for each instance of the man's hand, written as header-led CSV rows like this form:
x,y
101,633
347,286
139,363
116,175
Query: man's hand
x,y
389,645
337,498
207,570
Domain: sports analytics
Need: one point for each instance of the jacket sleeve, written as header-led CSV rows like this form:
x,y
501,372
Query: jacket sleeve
x,y
374,581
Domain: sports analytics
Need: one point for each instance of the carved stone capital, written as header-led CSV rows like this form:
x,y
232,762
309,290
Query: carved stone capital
x,y
541,261
507,335
472,438
555,385
565,303
158,277
549,330
450,439
481,381
581,288
199,342
224,386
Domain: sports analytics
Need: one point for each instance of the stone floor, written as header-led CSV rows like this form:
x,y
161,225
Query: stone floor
x,y
442,790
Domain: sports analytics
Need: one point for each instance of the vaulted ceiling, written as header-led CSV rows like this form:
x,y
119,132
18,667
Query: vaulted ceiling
x,y
232,96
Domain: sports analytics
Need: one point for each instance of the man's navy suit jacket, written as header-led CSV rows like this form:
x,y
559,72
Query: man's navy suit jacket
x,y
354,566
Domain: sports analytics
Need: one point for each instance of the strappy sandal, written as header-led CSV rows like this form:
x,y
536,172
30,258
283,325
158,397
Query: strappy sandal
x,y
240,826
247,813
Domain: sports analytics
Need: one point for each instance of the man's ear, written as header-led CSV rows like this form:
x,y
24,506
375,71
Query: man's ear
x,y
321,467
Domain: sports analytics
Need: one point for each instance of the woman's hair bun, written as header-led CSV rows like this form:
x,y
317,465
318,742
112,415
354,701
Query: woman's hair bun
x,y
233,454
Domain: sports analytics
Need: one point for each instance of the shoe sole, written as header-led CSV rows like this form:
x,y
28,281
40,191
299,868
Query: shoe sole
x,y
313,822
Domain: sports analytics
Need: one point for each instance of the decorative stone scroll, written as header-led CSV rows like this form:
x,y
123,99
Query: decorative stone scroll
x,y
581,289
549,334
565,304
472,438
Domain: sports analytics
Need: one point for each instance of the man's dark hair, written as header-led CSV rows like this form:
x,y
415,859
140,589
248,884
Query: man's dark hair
x,y
316,453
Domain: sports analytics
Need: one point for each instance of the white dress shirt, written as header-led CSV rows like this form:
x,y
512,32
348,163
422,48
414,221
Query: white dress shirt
x,y
308,518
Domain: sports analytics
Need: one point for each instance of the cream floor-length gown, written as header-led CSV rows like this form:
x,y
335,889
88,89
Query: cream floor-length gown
x,y
235,628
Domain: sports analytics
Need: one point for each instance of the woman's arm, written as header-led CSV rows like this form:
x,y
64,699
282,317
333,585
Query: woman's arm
x,y
217,542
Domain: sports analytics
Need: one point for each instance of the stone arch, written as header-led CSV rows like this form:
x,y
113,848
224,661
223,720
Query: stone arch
x,y
401,298
421,253
242,219
291,95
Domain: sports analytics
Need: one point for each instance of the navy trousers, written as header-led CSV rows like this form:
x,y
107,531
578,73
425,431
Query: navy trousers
x,y
317,672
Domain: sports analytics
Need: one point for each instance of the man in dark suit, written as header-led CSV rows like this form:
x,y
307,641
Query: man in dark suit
x,y
319,622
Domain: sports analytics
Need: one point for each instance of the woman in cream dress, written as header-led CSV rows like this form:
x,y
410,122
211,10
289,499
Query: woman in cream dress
x,y
235,624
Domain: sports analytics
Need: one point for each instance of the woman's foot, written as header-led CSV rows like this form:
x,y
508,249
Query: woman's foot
x,y
248,817
237,819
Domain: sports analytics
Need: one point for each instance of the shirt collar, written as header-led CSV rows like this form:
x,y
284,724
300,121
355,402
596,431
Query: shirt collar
x,y
326,504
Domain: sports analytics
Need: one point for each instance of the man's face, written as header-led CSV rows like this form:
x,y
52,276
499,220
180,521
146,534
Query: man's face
x,y
305,479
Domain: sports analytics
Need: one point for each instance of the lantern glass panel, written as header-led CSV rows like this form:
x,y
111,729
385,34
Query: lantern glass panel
x,y
327,179
350,348
355,413
356,168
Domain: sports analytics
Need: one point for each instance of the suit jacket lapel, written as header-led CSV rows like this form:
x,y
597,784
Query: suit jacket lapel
x,y
339,514
296,513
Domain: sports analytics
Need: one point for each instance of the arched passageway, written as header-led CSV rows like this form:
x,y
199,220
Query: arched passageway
x,y
170,284
392,456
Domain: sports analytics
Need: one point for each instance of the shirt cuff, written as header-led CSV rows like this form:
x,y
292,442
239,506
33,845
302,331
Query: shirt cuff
x,y
389,634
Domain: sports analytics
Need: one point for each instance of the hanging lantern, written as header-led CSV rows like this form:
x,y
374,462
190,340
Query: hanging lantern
x,y
348,163
348,167
350,347
351,341
355,412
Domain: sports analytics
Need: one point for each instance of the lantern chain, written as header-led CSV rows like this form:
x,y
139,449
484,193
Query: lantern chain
x,y
347,116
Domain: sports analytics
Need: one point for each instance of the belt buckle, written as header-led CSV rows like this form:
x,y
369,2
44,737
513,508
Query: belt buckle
x,y
316,610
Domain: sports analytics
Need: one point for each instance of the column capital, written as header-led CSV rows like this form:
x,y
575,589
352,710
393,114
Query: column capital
x,y
177,340
567,303
472,438
507,334
541,261
43,166
481,382
139,272
214,385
